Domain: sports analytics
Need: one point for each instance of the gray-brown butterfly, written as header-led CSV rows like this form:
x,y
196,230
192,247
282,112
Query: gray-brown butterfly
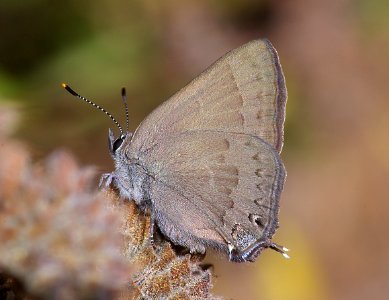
x,y
206,162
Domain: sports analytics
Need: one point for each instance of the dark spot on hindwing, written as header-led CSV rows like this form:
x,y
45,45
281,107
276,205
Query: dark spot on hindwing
x,y
259,115
226,144
256,219
260,202
258,172
255,157
260,188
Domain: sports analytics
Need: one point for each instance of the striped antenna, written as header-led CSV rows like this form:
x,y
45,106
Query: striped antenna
x,y
124,98
71,91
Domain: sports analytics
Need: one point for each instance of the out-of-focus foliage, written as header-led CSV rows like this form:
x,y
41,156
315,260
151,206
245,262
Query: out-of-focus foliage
x,y
334,54
60,239
300,278
33,31
373,15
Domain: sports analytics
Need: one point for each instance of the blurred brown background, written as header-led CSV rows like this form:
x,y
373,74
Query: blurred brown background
x,y
335,55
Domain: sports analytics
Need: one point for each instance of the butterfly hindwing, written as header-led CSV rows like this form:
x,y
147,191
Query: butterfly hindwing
x,y
210,187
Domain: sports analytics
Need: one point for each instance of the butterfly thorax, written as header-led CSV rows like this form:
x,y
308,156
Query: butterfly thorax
x,y
131,179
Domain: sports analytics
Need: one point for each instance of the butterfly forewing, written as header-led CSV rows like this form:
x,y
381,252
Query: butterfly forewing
x,y
243,92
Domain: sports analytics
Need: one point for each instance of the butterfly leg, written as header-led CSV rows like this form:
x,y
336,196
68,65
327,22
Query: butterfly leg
x,y
106,180
149,214
152,227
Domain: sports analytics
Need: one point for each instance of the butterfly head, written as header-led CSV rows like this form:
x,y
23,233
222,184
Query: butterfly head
x,y
115,144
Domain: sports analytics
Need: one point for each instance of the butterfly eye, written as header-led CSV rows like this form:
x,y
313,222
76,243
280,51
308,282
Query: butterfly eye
x,y
117,144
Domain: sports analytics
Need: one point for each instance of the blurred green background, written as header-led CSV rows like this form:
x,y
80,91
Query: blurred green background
x,y
334,210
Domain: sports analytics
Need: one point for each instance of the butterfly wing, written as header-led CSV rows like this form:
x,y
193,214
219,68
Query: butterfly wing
x,y
214,188
243,92
211,153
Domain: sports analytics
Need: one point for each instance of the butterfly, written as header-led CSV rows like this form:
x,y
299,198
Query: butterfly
x,y
206,163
